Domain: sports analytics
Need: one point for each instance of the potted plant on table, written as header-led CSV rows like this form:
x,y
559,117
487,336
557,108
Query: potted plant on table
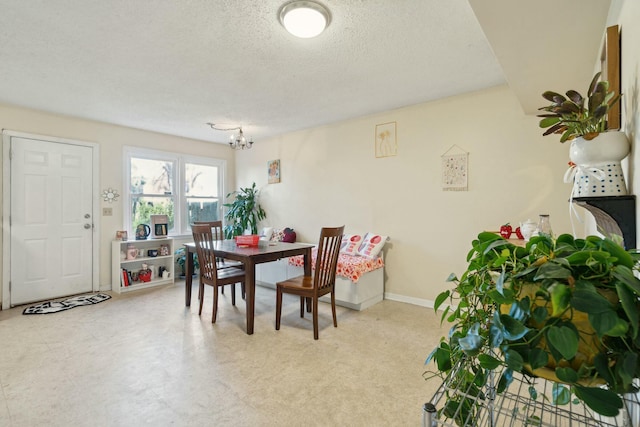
x,y
243,213
564,309
595,152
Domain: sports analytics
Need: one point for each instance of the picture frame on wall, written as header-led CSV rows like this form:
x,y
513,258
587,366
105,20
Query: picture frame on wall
x,y
610,71
386,144
273,171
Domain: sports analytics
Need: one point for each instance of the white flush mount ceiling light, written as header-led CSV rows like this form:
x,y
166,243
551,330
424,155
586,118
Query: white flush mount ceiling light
x,y
304,19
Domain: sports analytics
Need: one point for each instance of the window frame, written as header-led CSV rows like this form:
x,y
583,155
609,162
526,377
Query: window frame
x,y
181,227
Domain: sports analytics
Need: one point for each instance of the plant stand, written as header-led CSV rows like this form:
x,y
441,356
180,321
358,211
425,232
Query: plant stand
x,y
516,407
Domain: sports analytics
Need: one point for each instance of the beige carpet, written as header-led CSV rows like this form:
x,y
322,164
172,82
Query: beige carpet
x,y
145,359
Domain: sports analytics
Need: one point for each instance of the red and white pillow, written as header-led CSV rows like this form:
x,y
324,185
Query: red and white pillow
x,y
371,245
350,244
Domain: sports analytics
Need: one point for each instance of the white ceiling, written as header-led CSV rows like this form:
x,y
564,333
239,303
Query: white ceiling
x,y
171,66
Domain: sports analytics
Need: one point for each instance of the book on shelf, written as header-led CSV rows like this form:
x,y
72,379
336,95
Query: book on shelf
x,y
125,278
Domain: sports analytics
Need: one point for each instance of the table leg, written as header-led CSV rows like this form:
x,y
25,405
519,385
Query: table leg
x,y
250,284
188,271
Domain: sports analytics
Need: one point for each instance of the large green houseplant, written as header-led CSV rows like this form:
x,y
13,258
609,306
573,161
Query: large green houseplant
x,y
243,212
576,116
564,306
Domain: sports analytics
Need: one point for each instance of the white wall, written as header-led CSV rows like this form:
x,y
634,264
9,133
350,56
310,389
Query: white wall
x,y
111,139
626,14
330,176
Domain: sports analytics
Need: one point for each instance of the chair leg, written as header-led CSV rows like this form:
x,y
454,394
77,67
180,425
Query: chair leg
x,y
233,294
215,304
243,290
201,293
301,307
278,307
333,309
315,318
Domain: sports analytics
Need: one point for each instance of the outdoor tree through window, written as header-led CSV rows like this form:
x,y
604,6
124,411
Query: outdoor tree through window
x,y
155,180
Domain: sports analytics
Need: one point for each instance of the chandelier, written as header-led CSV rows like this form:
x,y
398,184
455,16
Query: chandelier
x,y
237,142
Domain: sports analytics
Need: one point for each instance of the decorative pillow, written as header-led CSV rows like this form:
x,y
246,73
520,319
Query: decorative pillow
x,y
289,235
278,235
371,245
350,244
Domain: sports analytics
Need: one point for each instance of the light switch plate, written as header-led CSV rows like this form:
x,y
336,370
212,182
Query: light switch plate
x,y
107,211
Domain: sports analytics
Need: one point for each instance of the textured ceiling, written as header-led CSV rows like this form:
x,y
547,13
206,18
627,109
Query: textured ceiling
x,y
171,66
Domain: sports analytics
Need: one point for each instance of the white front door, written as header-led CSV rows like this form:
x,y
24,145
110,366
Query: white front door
x,y
51,219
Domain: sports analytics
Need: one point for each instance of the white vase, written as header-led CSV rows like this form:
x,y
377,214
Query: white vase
x,y
598,171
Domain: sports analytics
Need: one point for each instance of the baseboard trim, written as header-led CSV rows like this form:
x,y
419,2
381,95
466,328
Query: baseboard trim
x,y
409,300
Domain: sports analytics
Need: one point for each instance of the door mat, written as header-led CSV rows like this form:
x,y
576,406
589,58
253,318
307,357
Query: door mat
x,y
56,306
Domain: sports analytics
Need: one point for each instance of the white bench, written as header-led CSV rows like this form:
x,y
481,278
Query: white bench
x,y
367,291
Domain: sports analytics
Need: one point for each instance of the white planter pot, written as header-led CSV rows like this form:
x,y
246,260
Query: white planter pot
x,y
598,171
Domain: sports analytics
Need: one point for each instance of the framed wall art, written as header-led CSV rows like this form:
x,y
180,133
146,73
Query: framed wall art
x,y
386,142
273,171
610,69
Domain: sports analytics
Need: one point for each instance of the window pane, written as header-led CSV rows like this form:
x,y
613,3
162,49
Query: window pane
x,y
151,176
143,207
201,180
200,209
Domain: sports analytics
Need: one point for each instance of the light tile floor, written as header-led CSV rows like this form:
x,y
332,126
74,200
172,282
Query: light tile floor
x,y
144,358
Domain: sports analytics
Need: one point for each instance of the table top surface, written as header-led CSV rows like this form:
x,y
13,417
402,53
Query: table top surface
x,y
230,246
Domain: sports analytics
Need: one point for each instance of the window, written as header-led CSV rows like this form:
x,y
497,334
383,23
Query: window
x,y
185,188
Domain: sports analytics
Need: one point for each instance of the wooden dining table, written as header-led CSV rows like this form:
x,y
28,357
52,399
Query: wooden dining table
x,y
249,256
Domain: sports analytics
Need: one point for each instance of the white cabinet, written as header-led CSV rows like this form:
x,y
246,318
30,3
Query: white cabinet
x,y
127,258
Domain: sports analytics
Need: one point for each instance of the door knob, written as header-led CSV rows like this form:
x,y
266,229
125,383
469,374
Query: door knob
x,y
87,226
87,216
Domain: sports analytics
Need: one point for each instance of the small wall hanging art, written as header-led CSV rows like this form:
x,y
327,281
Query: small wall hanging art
x,y
455,168
110,195
386,142
273,168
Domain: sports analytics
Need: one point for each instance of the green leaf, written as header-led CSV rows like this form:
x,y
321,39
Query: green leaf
x,y
533,393
538,358
624,257
590,302
552,270
440,299
625,275
603,322
567,375
564,339
540,314
602,401
601,364
560,296
629,304
514,360
513,330
560,394
488,362
505,380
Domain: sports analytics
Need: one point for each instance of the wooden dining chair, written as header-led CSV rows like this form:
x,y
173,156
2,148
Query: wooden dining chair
x,y
210,274
321,282
218,234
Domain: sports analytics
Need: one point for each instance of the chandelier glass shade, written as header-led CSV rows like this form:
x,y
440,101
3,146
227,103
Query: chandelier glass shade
x,y
237,142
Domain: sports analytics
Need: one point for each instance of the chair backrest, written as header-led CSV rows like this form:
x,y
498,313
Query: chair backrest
x,y
327,258
216,228
203,238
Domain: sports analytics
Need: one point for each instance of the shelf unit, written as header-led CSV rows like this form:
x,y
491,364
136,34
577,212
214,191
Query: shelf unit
x,y
117,264
515,406
614,215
